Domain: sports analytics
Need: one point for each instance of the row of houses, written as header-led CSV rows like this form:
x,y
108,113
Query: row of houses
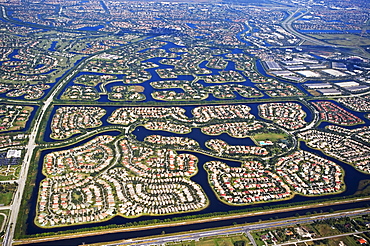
x,y
241,185
91,157
68,121
222,147
184,142
288,115
335,114
356,103
156,163
340,147
167,126
234,129
310,174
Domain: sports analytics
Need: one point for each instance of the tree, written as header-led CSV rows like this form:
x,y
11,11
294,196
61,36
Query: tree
x,y
239,243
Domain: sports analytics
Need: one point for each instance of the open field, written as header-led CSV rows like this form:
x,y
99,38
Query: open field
x,y
269,136
342,39
6,198
216,241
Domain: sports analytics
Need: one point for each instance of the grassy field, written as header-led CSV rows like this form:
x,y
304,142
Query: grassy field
x,y
2,217
215,241
314,93
342,39
325,230
346,240
6,198
13,172
269,136
363,187
332,242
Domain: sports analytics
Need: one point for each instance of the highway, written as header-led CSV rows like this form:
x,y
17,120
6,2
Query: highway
x,y
287,25
8,237
30,147
160,240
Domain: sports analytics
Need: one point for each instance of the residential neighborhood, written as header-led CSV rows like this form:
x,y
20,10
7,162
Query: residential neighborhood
x,y
68,121
14,117
174,142
149,182
333,113
288,115
339,146
247,184
309,174
299,173
128,120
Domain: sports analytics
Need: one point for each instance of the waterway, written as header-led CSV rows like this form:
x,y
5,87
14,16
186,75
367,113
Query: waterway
x,y
91,28
182,228
155,77
200,178
245,32
53,45
195,134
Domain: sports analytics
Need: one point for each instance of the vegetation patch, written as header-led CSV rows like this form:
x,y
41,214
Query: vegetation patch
x,y
269,136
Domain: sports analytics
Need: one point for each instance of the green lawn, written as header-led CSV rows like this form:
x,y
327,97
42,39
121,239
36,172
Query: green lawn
x,y
214,241
2,217
342,39
325,230
12,174
363,187
6,198
269,136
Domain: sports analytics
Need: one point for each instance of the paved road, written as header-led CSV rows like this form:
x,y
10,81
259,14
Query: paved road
x,y
4,221
160,240
250,237
9,235
287,25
